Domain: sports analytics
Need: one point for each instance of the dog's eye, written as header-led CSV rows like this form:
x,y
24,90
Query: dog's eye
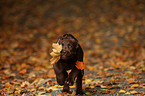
x,y
69,46
62,44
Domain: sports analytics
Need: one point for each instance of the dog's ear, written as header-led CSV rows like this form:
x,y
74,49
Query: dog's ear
x,y
80,53
77,46
71,37
60,39
67,36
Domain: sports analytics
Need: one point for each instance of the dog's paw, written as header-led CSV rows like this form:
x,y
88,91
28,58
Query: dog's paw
x,y
69,82
78,92
66,88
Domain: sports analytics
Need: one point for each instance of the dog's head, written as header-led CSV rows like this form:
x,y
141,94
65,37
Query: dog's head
x,y
69,46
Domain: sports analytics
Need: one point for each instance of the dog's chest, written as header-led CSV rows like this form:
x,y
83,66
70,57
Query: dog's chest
x,y
68,66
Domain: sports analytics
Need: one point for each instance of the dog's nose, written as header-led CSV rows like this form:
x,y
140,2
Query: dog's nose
x,y
64,52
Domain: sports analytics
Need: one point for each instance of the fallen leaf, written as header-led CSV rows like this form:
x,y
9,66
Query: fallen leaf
x,y
41,88
23,71
131,82
50,95
88,93
143,93
116,86
87,81
135,86
103,87
18,92
51,75
91,68
80,65
59,86
63,94
25,84
73,93
48,90
127,93
10,86
73,86
112,91
122,91
92,86
9,90
114,65
55,86
105,91
41,94
97,85
133,92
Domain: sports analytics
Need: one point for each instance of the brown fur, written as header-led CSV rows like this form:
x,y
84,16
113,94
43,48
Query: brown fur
x,y
71,52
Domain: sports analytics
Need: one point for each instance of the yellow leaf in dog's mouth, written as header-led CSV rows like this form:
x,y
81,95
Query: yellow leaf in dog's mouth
x,y
55,53
57,47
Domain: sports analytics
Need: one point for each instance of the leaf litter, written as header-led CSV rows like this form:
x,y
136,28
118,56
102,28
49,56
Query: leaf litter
x,y
114,46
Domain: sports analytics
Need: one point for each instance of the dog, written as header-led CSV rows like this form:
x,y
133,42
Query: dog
x,y
71,52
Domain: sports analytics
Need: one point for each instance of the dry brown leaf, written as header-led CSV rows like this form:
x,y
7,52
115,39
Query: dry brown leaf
x,y
56,47
131,82
73,93
17,92
80,65
91,68
50,95
23,71
51,75
135,86
55,53
133,92
54,60
88,93
127,93
122,91
114,65
112,91
25,84
9,86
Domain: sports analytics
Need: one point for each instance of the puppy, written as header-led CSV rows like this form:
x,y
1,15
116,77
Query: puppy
x,y
71,52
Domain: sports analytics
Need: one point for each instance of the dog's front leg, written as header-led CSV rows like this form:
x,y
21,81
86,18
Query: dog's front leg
x,y
79,83
70,79
72,75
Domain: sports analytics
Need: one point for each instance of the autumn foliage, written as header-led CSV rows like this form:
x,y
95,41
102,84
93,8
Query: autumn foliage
x,y
111,33
80,65
55,53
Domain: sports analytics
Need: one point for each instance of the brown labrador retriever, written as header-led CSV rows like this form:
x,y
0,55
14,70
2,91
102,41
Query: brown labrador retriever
x,y
71,52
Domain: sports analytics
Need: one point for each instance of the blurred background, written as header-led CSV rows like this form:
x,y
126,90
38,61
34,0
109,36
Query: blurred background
x,y
111,32
98,25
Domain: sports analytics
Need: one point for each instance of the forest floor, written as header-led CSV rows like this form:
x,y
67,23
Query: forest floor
x,y
111,33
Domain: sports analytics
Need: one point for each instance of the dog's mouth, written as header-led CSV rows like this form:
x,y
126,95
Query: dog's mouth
x,y
65,55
